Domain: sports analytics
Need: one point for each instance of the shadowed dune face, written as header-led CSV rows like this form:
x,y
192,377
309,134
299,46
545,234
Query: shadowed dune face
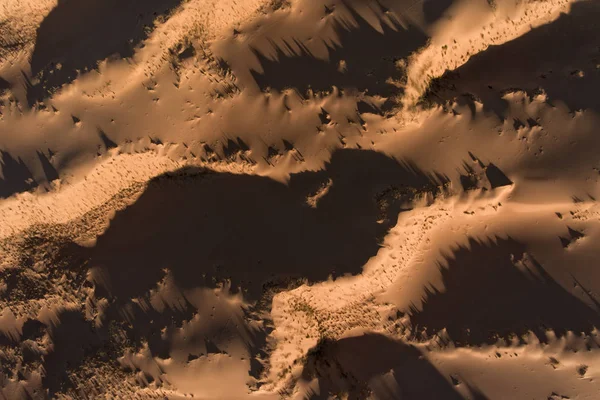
x,y
433,10
16,177
496,291
359,47
364,60
348,365
561,58
4,85
207,226
72,345
74,36
79,344
73,338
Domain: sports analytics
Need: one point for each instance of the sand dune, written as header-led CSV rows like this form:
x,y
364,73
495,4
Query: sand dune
x,y
341,199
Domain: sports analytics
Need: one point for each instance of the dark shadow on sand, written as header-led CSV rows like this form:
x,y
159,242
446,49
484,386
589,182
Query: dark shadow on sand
x,y
49,171
4,85
73,338
77,34
370,58
497,290
433,10
206,226
16,176
560,57
347,365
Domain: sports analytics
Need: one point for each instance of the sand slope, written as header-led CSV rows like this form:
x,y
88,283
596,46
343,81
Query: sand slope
x,y
299,199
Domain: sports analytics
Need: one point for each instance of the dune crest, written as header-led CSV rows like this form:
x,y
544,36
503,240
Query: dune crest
x,y
299,199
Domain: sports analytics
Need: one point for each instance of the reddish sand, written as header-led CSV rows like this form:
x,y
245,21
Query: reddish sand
x,y
337,199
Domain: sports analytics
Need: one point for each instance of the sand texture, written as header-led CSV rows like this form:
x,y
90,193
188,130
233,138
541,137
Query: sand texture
x,y
299,199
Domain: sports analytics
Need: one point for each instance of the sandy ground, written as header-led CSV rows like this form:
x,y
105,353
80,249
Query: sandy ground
x,y
357,199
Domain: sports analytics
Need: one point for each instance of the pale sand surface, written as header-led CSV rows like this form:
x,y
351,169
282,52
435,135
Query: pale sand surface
x,y
302,199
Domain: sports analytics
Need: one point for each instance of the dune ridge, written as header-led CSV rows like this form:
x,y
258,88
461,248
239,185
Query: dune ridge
x,y
299,199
